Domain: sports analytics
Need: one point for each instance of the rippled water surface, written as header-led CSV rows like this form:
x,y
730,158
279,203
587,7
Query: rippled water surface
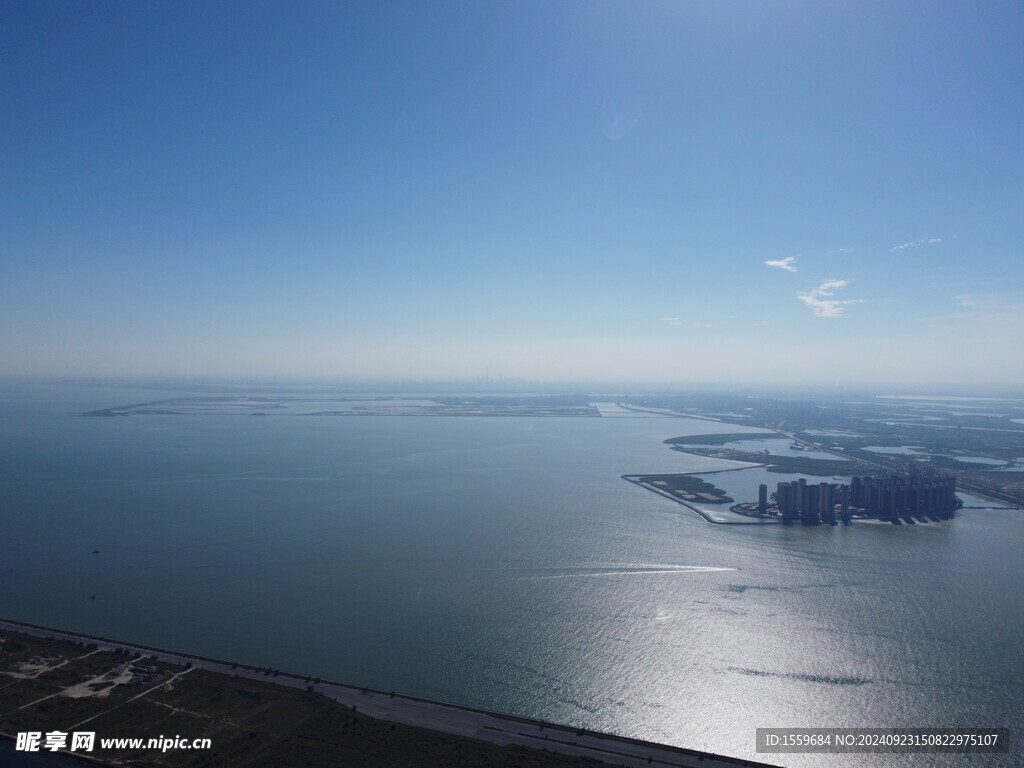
x,y
502,563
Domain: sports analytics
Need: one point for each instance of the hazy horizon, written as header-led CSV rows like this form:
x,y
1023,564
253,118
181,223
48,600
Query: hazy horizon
x,y
499,387
752,194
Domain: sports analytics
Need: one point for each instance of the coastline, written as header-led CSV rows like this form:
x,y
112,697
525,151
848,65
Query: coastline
x,y
438,717
635,479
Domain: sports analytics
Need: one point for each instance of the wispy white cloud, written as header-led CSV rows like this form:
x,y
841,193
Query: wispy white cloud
x,y
820,301
996,309
679,321
786,264
915,244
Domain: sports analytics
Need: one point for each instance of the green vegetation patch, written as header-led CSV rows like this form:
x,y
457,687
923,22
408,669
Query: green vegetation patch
x,y
773,463
797,464
688,488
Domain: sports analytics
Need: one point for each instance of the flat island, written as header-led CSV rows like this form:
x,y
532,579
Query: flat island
x,y
686,489
918,493
683,487
553,405
717,447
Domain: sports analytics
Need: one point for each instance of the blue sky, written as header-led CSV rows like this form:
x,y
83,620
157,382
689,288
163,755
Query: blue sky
x,y
657,191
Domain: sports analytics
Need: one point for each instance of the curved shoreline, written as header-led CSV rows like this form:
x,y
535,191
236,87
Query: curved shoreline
x,y
635,479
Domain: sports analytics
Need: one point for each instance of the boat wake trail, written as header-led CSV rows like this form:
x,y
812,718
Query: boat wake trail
x,y
620,570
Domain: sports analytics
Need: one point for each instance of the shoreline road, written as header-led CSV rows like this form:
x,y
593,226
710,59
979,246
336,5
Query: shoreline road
x,y
437,716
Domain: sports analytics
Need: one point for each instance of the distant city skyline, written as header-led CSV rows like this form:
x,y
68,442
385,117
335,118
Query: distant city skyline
x,y
785,193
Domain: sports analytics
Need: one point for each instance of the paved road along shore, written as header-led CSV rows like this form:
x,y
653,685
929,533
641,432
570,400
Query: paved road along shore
x,y
446,718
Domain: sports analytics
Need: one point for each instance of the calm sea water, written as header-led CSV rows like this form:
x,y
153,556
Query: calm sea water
x,y
502,563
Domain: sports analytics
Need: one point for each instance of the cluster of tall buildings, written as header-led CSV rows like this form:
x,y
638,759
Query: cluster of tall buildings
x,y
920,491
811,504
